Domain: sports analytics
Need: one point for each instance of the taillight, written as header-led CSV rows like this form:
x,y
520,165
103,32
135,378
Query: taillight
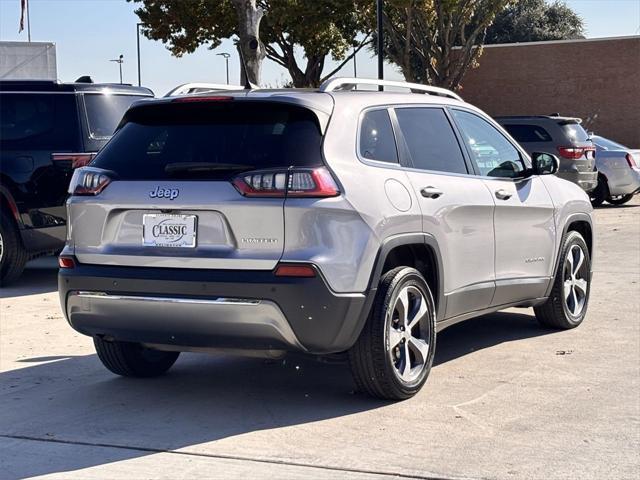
x,y
66,262
88,181
576,153
294,270
631,161
295,182
73,160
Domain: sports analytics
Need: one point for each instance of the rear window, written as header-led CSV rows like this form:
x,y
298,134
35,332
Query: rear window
x,y
528,133
376,137
38,122
104,112
607,144
575,132
212,140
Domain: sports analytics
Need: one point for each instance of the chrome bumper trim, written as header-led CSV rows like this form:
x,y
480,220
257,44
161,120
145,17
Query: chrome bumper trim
x,y
195,301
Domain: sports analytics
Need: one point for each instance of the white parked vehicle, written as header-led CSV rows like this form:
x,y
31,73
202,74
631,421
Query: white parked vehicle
x,y
618,172
190,88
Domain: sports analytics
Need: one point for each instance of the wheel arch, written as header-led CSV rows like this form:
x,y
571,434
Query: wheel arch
x,y
8,205
420,251
581,223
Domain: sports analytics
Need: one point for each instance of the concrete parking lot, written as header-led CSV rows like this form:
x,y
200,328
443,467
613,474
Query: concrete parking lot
x,y
506,399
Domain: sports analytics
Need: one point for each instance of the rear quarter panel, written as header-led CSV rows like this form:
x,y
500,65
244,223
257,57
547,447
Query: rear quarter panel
x,y
344,235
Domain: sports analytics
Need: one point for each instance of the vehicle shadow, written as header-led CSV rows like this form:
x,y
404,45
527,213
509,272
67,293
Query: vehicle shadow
x,y
485,332
75,401
40,276
606,206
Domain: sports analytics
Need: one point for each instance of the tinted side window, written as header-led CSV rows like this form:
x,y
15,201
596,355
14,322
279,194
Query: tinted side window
x,y
104,112
376,137
528,133
494,155
38,122
430,139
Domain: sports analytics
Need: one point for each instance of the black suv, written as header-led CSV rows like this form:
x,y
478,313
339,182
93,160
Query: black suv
x,y
47,129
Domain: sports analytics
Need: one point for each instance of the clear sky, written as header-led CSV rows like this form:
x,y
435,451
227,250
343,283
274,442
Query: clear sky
x,y
88,33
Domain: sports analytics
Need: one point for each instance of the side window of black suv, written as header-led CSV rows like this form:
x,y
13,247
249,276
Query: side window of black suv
x,y
36,121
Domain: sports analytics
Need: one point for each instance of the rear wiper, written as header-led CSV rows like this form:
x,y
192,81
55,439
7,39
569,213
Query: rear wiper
x,y
205,167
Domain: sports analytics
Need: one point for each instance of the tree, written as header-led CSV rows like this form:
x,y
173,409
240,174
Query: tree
x,y
535,20
437,41
320,28
314,28
252,49
185,25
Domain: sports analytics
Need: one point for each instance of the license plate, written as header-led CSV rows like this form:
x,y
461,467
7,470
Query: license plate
x,y
165,230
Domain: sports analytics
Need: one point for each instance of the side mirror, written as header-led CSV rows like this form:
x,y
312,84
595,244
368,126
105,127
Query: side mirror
x,y
544,163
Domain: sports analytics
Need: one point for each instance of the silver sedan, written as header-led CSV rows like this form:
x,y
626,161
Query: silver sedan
x,y
619,175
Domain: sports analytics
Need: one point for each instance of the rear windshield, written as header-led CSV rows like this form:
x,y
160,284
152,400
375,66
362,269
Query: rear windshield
x,y
104,112
211,140
575,132
608,144
528,133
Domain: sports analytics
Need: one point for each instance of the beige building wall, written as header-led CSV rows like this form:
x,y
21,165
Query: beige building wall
x,y
597,80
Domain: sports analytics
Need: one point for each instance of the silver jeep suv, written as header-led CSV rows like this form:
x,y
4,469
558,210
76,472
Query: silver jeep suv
x,y
335,220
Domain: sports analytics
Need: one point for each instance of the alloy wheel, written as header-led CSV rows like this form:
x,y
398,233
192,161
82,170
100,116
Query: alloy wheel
x,y
575,280
408,341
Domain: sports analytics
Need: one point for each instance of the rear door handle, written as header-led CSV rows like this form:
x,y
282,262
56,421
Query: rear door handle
x,y
431,192
502,194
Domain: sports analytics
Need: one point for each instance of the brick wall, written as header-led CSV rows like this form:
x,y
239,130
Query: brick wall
x,y
597,80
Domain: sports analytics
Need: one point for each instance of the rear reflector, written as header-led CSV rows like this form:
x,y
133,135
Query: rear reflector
x,y
294,270
631,161
66,262
74,160
295,182
218,98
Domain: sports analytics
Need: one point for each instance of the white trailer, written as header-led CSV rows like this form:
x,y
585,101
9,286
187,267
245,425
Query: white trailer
x,y
28,61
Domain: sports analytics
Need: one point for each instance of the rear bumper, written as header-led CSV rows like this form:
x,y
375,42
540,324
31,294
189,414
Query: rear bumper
x,y
624,181
210,308
586,180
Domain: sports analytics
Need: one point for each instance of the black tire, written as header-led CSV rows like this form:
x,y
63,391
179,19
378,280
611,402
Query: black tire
x,y
620,200
13,255
557,312
370,358
599,194
132,359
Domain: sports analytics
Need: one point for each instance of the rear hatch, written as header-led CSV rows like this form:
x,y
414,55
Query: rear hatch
x,y
195,184
577,152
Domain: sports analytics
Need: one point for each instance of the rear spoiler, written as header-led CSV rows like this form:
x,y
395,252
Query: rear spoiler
x,y
570,121
321,114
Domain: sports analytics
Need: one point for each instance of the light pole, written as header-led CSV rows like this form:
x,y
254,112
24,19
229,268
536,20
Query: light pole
x,y
138,25
355,64
226,59
119,61
380,42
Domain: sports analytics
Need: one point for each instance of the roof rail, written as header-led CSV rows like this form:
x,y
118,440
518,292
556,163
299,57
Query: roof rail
x,y
345,83
189,88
